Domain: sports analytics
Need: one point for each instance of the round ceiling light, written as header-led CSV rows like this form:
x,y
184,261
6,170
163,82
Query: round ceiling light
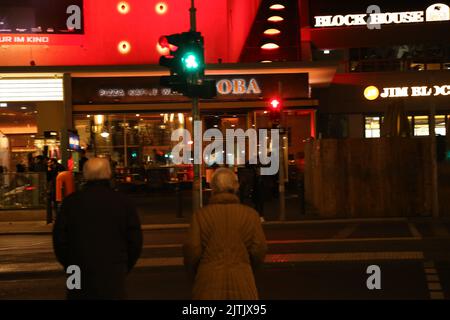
x,y
123,7
270,46
275,19
277,6
124,47
161,8
272,32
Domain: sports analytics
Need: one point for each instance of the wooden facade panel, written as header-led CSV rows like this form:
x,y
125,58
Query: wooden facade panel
x,y
359,178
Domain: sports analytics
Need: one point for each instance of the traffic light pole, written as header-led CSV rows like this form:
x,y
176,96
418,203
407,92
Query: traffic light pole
x,y
281,172
197,195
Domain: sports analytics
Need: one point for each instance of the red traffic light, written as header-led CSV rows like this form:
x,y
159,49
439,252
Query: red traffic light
x,y
275,104
165,42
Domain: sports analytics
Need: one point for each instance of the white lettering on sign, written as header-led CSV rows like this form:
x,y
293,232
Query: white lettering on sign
x,y
415,91
111,93
24,40
394,92
373,19
238,86
435,12
442,91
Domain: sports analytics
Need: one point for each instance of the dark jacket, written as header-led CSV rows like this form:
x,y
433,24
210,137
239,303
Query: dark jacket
x,y
98,230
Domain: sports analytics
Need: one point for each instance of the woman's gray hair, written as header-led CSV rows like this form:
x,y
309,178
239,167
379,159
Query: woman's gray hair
x,y
97,169
224,181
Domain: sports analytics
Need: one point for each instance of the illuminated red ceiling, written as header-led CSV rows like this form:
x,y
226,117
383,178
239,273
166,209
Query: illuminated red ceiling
x,y
225,25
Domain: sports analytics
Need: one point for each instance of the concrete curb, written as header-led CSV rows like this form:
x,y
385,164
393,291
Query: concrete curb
x,y
178,226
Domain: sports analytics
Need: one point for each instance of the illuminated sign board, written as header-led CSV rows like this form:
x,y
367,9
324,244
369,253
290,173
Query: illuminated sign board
x,y
435,12
223,86
40,22
41,17
372,92
74,141
232,87
237,86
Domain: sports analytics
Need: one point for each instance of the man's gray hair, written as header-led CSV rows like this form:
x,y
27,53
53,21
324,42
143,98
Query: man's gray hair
x,y
224,181
97,169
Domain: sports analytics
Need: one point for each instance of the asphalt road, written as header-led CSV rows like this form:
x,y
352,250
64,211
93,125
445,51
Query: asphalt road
x,y
306,261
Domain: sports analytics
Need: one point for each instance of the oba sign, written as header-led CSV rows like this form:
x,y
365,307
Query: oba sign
x,y
435,12
238,87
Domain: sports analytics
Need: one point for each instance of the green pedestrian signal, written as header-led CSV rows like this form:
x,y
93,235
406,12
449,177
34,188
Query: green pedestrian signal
x,y
190,62
186,62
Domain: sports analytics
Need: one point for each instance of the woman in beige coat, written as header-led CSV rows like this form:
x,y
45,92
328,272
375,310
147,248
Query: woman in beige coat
x,y
225,244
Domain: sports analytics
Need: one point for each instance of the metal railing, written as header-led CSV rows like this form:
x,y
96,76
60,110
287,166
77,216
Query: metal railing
x,y
409,64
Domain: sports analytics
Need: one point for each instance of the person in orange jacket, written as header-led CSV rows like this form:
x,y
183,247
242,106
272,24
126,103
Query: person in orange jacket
x,y
65,185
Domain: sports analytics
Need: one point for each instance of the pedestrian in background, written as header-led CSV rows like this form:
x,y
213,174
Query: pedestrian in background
x,y
83,160
225,244
99,231
54,168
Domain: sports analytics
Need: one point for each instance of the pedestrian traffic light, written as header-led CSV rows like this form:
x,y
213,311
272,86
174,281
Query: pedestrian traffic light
x,y
186,54
275,107
190,62
187,66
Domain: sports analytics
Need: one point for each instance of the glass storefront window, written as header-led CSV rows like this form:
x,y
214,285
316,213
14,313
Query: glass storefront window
x,y
440,125
372,127
130,140
421,126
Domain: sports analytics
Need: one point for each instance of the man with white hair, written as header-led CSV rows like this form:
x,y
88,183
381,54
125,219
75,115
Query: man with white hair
x,y
98,230
225,244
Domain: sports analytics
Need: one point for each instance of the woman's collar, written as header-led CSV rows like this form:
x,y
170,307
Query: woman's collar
x,y
223,198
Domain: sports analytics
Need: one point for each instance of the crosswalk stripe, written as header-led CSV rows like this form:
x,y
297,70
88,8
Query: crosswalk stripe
x,y
270,259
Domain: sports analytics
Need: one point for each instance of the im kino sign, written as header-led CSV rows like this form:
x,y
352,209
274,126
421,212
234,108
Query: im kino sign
x,y
435,12
372,92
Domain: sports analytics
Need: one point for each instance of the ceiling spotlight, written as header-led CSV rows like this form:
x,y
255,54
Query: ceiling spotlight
x,y
272,32
275,19
161,8
124,47
277,7
123,7
270,46
104,134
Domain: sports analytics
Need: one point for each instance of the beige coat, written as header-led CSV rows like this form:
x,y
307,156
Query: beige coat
x,y
225,244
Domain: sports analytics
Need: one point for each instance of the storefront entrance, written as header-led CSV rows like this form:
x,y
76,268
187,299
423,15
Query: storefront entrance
x,y
31,126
